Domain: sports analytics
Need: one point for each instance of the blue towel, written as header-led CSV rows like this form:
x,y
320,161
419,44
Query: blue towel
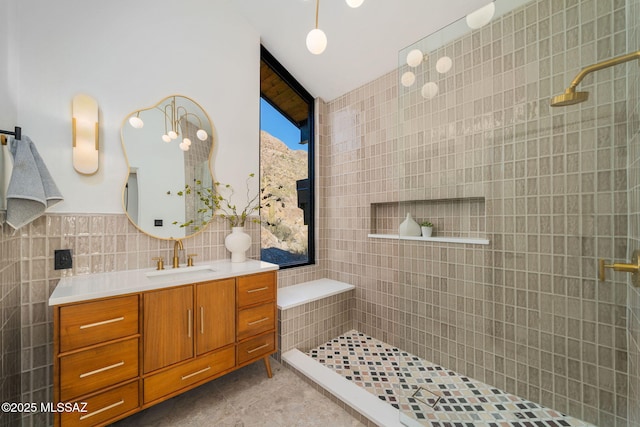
x,y
31,188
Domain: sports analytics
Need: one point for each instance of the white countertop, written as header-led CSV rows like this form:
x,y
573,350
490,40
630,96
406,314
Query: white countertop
x,y
101,285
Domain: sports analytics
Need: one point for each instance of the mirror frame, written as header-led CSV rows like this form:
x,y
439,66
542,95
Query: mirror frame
x,y
125,122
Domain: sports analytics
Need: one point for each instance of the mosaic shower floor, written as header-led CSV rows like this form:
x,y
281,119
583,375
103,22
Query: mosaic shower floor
x,y
428,394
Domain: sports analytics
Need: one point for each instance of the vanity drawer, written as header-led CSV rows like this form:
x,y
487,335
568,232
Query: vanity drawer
x,y
91,323
256,347
255,320
104,406
98,367
182,376
256,289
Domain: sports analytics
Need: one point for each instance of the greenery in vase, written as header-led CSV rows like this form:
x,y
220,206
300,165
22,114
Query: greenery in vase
x,y
426,224
214,203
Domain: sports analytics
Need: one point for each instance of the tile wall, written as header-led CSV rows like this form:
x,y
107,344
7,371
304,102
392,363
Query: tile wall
x,y
633,294
526,313
307,326
9,322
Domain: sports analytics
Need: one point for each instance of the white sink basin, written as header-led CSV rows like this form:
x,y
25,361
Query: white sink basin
x,y
182,271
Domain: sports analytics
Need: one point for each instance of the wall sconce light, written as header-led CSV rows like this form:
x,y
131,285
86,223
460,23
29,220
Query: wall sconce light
x,y
85,126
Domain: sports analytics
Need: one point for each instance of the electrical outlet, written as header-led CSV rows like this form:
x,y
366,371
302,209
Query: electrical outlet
x,y
62,259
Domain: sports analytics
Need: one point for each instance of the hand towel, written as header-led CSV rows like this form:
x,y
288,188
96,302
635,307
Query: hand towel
x,y
31,188
6,166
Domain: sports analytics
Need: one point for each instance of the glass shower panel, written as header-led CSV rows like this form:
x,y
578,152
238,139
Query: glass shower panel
x,y
524,199
633,132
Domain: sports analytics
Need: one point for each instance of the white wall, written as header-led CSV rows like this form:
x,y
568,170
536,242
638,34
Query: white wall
x,y
7,68
129,55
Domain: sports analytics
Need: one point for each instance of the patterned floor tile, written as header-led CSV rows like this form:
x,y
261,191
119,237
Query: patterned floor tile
x,y
428,393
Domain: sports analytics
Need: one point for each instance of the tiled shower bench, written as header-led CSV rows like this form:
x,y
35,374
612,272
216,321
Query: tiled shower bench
x,y
310,314
313,312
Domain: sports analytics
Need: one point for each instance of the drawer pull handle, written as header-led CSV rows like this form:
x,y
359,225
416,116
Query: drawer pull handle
x,y
258,348
196,373
104,322
97,371
201,320
250,291
255,322
189,325
106,408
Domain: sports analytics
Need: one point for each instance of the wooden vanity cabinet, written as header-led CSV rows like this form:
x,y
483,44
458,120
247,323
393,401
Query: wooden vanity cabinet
x,y
174,322
96,359
215,315
198,321
257,318
127,353
168,327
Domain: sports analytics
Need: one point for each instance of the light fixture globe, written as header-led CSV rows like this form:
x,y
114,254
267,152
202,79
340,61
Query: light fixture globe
x,y
172,134
408,79
481,17
166,138
183,146
187,142
414,57
355,3
444,64
202,135
429,90
316,41
136,122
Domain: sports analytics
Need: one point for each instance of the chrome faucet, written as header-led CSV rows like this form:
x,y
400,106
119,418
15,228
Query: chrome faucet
x,y
177,247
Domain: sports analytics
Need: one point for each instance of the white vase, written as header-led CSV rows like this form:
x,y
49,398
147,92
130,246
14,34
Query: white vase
x,y
427,231
409,227
238,242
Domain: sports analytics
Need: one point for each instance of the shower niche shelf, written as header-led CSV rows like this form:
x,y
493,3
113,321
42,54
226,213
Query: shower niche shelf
x,y
443,239
459,220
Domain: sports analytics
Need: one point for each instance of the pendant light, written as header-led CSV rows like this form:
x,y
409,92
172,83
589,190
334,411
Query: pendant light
x,y
354,3
316,39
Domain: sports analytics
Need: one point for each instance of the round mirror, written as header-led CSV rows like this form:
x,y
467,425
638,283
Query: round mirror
x,y
167,146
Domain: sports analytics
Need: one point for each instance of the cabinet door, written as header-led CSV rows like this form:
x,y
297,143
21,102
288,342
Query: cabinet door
x,y
168,327
215,312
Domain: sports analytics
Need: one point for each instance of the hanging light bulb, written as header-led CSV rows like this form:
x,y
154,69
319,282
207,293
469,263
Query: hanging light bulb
x,y
166,138
187,141
136,121
415,57
429,90
202,135
172,134
481,17
316,39
408,79
183,146
444,64
355,3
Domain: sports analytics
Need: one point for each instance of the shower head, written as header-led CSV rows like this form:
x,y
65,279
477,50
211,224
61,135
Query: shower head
x,y
571,97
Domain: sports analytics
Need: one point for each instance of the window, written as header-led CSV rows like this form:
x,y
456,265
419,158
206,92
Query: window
x,y
286,167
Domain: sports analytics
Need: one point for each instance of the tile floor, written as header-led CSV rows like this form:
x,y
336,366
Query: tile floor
x,y
428,394
247,398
